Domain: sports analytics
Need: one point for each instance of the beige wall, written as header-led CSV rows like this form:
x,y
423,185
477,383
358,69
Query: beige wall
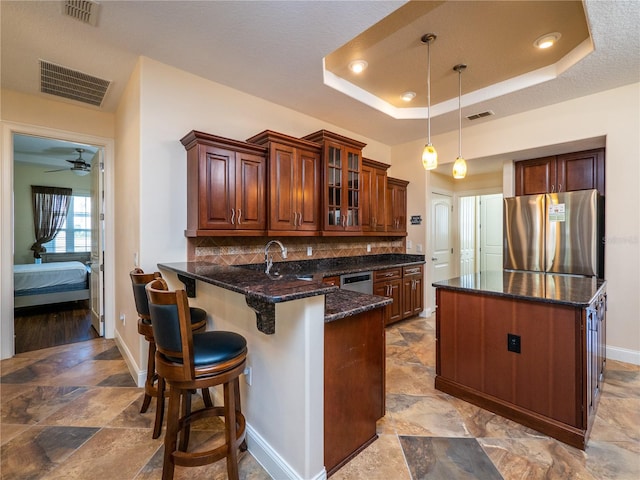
x,y
36,110
25,175
612,114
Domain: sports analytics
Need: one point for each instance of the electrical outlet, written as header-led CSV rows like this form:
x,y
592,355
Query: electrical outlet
x,y
368,247
513,343
248,375
135,259
409,244
123,318
309,251
419,247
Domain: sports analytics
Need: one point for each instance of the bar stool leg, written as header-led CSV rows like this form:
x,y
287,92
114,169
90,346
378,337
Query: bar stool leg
x,y
206,397
186,430
171,436
236,392
230,428
157,426
151,375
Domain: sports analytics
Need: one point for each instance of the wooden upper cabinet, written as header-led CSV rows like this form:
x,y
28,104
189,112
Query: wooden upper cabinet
x,y
294,183
581,171
342,170
561,173
396,206
536,176
226,186
373,195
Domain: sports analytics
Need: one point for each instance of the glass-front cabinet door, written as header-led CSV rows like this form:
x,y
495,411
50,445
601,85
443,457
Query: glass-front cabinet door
x,y
352,187
334,187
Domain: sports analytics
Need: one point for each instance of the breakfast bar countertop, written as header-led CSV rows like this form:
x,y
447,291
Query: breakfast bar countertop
x,y
256,284
543,287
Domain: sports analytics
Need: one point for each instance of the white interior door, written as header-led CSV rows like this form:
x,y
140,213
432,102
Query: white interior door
x,y
441,240
466,215
97,242
491,232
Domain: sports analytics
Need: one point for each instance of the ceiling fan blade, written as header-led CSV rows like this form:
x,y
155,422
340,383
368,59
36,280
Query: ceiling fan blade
x,y
59,170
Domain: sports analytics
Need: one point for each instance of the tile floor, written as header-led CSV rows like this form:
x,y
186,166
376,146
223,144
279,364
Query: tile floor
x,y
71,412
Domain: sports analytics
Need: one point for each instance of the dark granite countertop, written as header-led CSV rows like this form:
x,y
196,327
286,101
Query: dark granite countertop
x,y
251,283
545,287
344,303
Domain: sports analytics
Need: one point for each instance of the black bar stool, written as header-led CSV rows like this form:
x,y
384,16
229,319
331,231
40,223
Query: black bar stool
x,y
188,361
153,384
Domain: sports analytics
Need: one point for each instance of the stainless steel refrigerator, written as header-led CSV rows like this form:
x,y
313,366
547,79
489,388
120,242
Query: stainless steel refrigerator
x,y
555,233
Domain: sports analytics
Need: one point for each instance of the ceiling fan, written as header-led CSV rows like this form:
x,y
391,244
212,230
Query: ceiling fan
x,y
79,166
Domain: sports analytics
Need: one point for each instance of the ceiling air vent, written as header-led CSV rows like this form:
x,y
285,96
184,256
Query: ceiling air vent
x,y
67,83
82,10
476,116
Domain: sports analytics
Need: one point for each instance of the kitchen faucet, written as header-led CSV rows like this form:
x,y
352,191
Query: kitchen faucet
x,y
269,259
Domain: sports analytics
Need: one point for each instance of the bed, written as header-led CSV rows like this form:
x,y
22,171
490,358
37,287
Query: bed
x,y
45,283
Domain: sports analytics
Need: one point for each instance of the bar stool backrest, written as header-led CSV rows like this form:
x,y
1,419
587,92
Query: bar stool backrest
x,y
138,280
171,323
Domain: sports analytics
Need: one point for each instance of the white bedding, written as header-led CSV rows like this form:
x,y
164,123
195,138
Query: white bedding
x,y
42,275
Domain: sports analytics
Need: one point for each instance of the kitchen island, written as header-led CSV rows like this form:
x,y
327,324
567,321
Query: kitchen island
x,y
527,346
315,384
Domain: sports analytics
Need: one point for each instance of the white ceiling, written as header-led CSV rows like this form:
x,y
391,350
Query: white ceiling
x,y
275,50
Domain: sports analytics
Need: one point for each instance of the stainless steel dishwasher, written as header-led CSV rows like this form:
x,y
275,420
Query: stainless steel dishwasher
x,y
358,282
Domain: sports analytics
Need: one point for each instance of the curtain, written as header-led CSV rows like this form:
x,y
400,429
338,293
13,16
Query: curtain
x,y
50,207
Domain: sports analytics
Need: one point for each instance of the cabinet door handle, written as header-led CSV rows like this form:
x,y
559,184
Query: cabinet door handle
x,y
233,216
239,215
553,188
299,219
559,187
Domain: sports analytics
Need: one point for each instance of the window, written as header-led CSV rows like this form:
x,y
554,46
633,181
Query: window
x,y
75,234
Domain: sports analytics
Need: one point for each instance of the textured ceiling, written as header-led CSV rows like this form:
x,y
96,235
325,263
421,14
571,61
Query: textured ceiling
x,y
275,50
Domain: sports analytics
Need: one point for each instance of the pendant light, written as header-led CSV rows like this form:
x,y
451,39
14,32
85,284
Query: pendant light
x,y
429,154
459,166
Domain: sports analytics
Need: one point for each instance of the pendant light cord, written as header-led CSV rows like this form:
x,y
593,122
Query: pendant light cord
x,y
429,92
460,112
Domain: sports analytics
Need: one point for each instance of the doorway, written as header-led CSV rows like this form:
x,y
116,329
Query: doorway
x,y
107,301
480,227
63,302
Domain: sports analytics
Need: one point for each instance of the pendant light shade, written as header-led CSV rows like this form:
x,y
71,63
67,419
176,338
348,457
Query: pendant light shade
x,y
429,154
460,165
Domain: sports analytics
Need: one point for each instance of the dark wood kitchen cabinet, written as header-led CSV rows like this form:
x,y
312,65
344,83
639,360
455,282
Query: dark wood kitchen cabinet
x,y
342,165
226,186
374,188
396,206
561,173
412,291
294,184
388,283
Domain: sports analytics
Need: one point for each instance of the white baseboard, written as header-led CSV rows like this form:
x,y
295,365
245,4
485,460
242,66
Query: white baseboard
x,y
139,376
623,355
273,463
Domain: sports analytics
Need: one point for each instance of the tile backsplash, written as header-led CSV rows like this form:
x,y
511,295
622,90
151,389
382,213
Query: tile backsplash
x,y
243,250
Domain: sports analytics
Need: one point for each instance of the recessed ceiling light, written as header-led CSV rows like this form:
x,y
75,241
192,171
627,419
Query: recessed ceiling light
x,y
358,66
547,40
408,96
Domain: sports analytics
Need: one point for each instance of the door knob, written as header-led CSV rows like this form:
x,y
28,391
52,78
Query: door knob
x,y
434,259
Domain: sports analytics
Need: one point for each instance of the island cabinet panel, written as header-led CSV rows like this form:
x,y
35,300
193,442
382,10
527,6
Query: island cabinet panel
x,y
354,366
226,186
538,363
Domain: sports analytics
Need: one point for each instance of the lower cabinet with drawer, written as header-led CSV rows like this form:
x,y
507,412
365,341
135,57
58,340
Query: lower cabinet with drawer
x,y
388,283
405,285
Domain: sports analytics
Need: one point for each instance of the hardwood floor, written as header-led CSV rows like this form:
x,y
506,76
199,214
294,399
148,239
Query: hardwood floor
x,y
50,325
